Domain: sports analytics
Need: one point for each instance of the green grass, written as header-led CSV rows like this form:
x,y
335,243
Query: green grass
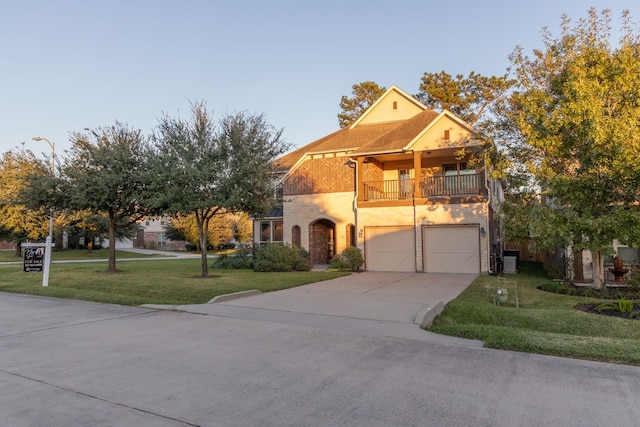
x,y
544,323
76,254
170,281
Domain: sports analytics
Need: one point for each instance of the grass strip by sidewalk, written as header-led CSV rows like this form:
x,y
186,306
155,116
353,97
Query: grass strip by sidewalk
x,y
544,323
169,281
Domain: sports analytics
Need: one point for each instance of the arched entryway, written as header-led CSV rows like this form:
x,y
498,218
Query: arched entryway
x,y
321,241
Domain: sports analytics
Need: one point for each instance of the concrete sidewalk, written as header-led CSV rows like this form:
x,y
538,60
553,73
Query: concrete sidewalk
x,y
159,255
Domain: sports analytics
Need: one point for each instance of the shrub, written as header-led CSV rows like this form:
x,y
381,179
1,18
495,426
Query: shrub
x,y
242,259
622,305
280,257
348,259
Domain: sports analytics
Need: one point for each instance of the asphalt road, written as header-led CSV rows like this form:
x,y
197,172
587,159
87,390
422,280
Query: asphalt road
x,y
71,363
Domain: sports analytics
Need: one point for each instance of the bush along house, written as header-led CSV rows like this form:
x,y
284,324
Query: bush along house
x,y
405,184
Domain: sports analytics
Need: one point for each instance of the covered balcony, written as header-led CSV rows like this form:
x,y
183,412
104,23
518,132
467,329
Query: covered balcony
x,y
429,186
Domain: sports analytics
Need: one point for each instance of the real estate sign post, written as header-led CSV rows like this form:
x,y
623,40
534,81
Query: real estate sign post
x,y
37,259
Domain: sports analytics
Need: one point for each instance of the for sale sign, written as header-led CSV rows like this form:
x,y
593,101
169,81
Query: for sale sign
x,y
33,259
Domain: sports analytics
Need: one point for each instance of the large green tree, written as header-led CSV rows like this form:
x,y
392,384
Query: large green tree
x,y
467,97
572,131
109,171
364,94
19,221
213,167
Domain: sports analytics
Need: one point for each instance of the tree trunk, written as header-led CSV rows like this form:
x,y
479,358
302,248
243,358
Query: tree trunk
x,y
578,267
18,249
598,270
203,227
112,246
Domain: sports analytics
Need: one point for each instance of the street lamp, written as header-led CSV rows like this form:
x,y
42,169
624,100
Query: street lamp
x,y
49,241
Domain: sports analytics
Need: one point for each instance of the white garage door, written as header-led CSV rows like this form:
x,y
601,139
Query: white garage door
x,y
389,249
451,249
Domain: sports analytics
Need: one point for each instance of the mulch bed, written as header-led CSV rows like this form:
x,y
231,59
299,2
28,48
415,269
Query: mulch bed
x,y
590,308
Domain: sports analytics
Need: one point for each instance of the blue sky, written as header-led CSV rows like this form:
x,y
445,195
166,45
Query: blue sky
x,y
70,64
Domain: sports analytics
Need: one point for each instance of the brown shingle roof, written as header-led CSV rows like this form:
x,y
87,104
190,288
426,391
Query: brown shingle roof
x,y
365,138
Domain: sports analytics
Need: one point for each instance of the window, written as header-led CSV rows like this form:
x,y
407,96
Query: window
x,y
404,183
277,231
270,231
395,105
446,134
161,239
350,235
296,236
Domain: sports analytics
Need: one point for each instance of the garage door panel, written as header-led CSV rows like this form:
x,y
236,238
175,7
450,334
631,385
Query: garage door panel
x,y
451,249
389,249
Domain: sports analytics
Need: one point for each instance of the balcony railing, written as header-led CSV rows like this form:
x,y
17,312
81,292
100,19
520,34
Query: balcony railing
x,y
431,186
397,189
453,185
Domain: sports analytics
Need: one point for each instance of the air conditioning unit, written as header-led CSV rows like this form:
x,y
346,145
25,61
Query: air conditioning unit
x,y
510,265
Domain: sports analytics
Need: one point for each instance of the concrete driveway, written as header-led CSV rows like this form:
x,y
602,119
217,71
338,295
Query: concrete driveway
x,y
391,297
369,303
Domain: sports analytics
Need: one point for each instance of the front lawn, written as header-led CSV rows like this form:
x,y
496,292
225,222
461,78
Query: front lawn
x,y
170,281
544,322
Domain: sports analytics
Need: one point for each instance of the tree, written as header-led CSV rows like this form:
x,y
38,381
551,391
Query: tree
x,y
210,168
19,221
364,95
467,97
185,227
572,129
109,171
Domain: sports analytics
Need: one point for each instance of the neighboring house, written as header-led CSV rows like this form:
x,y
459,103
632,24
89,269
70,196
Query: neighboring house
x,y
405,184
150,234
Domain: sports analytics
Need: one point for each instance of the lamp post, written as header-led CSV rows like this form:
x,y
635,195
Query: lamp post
x,y
49,241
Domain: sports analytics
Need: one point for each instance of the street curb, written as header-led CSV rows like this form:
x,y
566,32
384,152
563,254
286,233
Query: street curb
x,y
235,295
426,316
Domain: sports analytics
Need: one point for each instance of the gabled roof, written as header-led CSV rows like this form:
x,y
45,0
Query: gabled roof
x,y
365,138
392,90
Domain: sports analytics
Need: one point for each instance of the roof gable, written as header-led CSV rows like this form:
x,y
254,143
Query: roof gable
x,y
394,105
432,136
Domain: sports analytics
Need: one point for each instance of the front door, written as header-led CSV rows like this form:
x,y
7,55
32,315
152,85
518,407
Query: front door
x,y
321,242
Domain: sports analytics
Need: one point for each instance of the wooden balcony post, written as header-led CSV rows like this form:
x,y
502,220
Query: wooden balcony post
x,y
417,166
360,182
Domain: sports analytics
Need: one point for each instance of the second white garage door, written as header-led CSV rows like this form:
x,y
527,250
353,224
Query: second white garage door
x,y
390,249
451,249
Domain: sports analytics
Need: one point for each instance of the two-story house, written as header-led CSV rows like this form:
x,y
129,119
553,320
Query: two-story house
x,y
405,184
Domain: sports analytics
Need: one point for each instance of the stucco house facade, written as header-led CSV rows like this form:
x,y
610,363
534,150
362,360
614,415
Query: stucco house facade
x,y
405,184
